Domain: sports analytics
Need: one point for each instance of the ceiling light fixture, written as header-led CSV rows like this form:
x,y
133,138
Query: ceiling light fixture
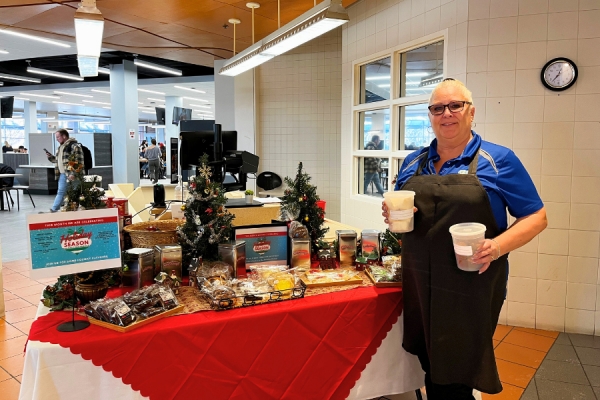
x,y
156,67
21,98
317,21
55,74
68,104
190,89
96,102
150,91
108,108
102,70
148,112
73,94
100,91
89,26
3,52
39,39
40,95
152,98
234,22
198,105
378,78
18,78
193,98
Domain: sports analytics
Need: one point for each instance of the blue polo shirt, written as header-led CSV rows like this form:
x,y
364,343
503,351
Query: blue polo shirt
x,y
501,173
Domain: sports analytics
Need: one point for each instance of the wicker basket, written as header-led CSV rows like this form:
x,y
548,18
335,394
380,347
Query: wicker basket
x,y
166,233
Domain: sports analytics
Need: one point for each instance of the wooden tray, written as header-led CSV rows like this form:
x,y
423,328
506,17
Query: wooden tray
x,y
357,281
136,325
382,284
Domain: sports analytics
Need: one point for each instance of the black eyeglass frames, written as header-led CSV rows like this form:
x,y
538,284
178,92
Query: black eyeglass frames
x,y
453,107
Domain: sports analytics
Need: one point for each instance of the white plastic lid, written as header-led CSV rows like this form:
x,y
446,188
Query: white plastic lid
x,y
399,193
468,229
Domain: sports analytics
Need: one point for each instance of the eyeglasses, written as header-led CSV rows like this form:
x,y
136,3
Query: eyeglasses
x,y
453,107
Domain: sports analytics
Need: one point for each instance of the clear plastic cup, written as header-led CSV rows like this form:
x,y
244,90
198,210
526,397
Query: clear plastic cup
x,y
466,238
400,204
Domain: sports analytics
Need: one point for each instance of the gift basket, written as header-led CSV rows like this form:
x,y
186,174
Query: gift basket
x,y
264,285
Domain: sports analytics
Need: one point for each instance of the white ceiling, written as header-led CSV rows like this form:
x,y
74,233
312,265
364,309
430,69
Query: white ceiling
x,y
22,48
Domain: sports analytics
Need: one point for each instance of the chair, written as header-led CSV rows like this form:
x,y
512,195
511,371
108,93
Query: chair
x,y
268,180
17,188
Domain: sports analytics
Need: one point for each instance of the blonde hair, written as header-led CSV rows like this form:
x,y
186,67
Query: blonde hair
x,y
452,83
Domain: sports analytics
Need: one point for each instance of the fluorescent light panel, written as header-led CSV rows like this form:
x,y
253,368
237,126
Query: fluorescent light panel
x,y
100,91
193,98
198,105
102,70
96,102
190,89
73,94
156,67
377,78
3,52
68,104
147,112
19,78
37,38
150,91
55,74
40,95
152,98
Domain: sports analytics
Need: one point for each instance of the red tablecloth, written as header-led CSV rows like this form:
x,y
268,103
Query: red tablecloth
x,y
312,348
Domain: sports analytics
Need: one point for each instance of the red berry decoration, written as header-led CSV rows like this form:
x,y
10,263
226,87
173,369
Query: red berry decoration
x,y
209,210
304,198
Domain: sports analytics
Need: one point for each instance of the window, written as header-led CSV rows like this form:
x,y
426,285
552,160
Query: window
x,y
391,118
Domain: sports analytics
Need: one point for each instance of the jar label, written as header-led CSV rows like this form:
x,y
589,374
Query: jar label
x,y
463,250
401,214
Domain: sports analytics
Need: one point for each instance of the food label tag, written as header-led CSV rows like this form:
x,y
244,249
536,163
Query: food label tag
x,y
401,214
165,295
122,309
463,250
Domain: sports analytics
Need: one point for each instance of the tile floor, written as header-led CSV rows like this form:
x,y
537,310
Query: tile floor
x,y
533,364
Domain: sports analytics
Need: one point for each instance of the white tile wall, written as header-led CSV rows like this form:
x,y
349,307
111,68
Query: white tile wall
x,y
299,115
556,135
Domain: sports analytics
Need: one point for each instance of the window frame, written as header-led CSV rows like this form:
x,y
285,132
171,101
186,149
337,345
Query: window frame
x,y
394,156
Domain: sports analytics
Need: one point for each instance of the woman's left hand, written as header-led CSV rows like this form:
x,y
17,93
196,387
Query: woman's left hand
x,y
485,254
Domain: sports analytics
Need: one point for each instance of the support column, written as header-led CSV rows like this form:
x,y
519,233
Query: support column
x,y
51,127
124,119
171,131
30,115
235,109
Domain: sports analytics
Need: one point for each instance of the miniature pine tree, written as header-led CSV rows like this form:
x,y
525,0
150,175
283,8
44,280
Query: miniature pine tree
x,y
300,203
207,221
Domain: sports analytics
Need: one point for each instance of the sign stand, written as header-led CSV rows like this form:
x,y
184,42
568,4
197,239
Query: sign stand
x,y
73,326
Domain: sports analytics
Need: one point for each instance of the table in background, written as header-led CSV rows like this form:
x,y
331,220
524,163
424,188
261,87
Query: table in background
x,y
42,179
53,372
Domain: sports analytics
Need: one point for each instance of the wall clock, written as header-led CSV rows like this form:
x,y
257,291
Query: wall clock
x,y
559,74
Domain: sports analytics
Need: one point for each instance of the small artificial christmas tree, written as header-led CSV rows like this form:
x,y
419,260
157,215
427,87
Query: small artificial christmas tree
x,y
81,192
207,222
300,203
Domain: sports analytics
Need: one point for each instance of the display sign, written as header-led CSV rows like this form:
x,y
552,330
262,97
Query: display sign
x,y
265,244
132,134
72,242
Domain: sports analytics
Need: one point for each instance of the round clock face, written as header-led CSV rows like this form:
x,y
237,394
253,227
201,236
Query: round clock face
x,y
559,74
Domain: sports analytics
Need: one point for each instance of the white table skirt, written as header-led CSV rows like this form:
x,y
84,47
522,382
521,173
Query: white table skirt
x,y
52,372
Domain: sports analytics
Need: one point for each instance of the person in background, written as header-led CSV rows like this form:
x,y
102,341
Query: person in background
x,y
449,314
7,147
21,149
153,155
372,166
143,146
68,146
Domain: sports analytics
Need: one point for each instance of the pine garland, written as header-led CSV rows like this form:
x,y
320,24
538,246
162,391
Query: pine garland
x,y
207,221
300,203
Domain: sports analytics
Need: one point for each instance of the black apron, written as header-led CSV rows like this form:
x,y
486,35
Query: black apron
x,y
450,315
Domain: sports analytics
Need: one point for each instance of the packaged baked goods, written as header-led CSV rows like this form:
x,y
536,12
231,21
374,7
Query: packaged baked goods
x,y
282,280
332,276
264,271
121,314
298,231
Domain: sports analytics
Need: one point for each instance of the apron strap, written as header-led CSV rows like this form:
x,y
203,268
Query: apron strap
x,y
422,165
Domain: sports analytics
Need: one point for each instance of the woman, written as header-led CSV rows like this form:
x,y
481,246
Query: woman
x,y
450,315
7,147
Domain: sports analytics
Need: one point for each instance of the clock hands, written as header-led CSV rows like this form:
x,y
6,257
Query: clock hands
x,y
557,75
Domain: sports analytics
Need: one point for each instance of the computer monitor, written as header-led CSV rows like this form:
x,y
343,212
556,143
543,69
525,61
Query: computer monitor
x,y
181,114
160,115
6,107
195,144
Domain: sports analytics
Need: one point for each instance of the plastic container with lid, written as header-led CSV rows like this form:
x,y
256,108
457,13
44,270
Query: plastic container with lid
x,y
400,204
467,237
